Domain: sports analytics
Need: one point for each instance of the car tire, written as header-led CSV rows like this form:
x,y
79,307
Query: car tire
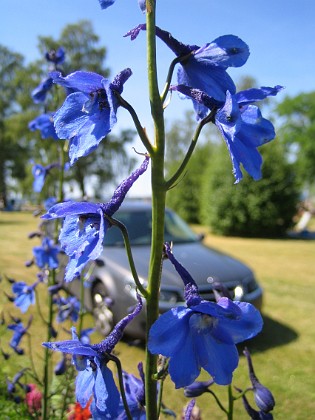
x,y
104,319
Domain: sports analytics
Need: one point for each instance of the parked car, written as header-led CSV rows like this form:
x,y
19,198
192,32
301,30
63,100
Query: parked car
x,y
112,293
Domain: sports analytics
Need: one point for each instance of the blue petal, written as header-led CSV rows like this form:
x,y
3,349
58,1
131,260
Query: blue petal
x,y
82,81
225,51
106,3
24,301
214,81
71,347
218,359
84,386
105,392
244,328
169,331
249,96
18,287
183,366
142,5
255,130
71,208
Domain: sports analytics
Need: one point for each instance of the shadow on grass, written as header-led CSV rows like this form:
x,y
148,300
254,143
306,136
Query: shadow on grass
x,y
274,334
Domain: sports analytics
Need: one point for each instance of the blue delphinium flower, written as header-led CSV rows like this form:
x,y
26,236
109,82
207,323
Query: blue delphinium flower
x,y
204,68
46,256
94,377
84,226
89,113
18,332
203,334
106,3
68,308
40,92
40,173
45,124
263,397
25,295
241,125
56,56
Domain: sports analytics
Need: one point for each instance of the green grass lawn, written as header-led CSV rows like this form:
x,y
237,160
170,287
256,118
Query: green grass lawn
x,y
283,353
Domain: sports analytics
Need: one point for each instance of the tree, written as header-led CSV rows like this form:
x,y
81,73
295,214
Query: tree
x,y
12,162
263,208
297,132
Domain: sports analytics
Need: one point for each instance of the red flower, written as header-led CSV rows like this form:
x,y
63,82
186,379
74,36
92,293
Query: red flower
x,y
78,413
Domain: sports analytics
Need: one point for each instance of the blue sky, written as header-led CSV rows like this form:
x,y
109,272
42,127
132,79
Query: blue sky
x,y
280,34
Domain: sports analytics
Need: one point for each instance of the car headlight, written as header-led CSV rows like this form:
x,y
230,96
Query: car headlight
x,y
238,293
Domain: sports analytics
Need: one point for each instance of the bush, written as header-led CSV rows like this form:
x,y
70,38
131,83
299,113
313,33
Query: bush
x,y
184,198
262,208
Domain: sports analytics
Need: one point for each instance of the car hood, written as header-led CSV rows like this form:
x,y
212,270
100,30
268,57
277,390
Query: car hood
x,y
201,262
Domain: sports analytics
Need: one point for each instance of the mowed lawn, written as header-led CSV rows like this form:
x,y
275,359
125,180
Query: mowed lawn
x,y
283,353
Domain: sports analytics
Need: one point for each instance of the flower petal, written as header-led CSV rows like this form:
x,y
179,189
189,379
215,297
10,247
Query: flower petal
x,y
84,386
168,333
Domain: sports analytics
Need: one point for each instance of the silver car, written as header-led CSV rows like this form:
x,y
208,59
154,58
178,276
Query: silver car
x,y
112,292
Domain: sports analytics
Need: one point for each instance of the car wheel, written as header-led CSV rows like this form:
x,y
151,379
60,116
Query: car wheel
x,y
102,313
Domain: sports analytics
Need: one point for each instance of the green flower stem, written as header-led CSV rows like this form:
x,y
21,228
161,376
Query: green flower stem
x,y
47,357
121,384
231,403
158,208
171,182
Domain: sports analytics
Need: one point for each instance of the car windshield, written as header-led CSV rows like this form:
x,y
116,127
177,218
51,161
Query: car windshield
x,y
138,223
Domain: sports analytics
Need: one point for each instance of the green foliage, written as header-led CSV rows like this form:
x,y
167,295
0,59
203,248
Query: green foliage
x,y
297,132
251,208
185,196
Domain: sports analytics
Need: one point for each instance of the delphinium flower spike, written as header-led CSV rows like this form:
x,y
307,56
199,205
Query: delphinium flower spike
x,y
89,113
202,334
84,226
241,124
204,68
94,377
